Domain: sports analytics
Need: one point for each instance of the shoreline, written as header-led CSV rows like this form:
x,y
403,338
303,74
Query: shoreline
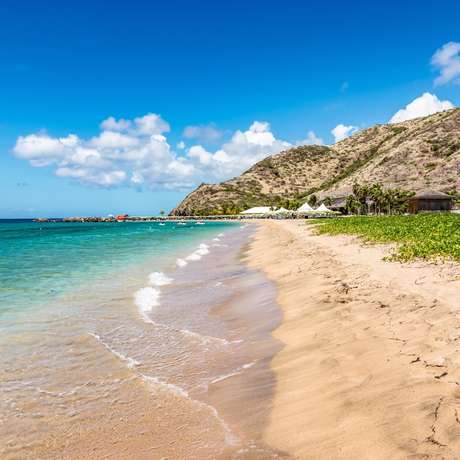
x,y
369,363
175,380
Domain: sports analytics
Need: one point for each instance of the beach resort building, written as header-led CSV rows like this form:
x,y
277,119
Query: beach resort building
x,y
430,201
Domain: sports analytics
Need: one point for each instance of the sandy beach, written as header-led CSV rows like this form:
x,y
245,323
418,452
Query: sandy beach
x,y
370,363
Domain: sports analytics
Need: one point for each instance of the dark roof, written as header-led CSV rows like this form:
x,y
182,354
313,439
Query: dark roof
x,y
339,202
432,195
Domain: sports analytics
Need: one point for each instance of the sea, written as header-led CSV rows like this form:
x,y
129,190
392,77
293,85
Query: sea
x,y
134,340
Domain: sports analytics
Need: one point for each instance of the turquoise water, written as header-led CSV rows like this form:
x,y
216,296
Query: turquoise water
x,y
127,337
40,261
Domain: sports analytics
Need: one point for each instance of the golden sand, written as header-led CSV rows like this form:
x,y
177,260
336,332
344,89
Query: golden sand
x,y
370,368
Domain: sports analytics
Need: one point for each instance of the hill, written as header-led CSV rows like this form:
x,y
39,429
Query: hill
x,y
413,155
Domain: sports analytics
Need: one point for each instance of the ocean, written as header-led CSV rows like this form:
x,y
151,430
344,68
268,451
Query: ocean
x,y
133,340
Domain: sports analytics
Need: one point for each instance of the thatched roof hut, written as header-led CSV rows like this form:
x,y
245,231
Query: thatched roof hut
x,y
430,200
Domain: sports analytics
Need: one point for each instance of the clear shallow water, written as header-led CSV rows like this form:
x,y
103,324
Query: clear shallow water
x,y
39,261
132,340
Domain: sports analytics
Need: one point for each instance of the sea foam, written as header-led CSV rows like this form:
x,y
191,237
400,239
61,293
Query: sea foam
x,y
202,250
130,362
181,262
159,279
147,298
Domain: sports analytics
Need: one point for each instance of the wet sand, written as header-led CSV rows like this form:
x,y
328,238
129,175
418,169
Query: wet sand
x,y
370,367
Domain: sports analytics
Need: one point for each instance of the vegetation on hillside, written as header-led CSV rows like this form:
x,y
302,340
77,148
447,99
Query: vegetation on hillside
x,y
414,155
425,236
373,198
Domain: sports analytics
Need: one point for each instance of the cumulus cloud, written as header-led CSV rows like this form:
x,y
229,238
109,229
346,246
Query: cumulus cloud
x,y
341,131
426,104
243,150
137,153
149,124
311,139
202,133
447,60
125,152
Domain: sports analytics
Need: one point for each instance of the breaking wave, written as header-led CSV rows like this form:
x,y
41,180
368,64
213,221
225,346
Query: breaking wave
x,y
159,279
147,298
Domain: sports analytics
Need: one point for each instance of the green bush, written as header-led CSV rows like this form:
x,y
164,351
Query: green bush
x,y
420,236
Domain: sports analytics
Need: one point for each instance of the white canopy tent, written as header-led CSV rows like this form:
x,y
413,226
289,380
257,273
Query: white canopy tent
x,y
305,208
281,211
258,210
323,208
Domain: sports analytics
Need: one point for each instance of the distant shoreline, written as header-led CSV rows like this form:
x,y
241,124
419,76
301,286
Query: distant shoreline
x,y
237,217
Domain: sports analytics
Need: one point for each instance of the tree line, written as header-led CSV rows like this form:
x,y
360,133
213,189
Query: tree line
x,y
372,199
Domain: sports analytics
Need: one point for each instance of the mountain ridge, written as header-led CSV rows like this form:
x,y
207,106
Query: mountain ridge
x,y
414,155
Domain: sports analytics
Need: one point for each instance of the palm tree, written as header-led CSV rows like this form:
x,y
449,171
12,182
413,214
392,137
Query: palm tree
x,y
327,201
361,193
312,200
352,205
376,194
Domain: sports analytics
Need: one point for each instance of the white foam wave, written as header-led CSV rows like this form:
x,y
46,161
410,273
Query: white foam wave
x,y
216,239
237,371
220,235
147,298
170,387
230,438
159,279
130,362
202,250
204,338
181,263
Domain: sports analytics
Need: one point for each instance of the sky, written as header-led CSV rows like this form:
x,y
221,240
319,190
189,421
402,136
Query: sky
x,y
111,107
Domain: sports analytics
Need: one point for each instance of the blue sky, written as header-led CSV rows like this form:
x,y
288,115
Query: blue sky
x,y
206,71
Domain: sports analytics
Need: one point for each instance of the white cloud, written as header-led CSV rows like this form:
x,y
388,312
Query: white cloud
x,y
151,124
111,124
426,104
137,153
197,151
341,131
147,125
311,139
124,148
203,133
114,140
447,60
238,154
43,150
102,178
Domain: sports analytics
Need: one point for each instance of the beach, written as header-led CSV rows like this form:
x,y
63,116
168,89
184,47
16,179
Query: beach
x,y
248,341
134,340
370,362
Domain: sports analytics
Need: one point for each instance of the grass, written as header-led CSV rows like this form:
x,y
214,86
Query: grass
x,y
421,236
